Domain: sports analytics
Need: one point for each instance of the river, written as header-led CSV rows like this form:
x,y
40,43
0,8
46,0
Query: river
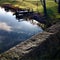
x,y
14,31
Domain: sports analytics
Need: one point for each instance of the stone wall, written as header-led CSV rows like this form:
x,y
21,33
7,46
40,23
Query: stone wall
x,y
43,46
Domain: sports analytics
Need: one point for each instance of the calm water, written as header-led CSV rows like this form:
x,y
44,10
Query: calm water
x,y
13,31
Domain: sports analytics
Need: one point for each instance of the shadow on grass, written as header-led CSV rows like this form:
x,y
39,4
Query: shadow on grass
x,y
53,14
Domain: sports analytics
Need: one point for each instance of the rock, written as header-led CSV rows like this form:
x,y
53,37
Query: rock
x,y
55,28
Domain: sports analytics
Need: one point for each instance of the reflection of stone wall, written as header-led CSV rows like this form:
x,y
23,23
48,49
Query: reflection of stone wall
x,y
44,46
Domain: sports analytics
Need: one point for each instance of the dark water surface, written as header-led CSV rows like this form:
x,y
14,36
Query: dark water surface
x,y
13,32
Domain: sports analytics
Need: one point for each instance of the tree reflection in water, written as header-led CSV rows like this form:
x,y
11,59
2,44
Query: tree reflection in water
x,y
22,15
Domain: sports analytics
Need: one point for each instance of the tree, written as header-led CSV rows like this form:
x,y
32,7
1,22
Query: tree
x,y
43,2
48,23
59,6
55,0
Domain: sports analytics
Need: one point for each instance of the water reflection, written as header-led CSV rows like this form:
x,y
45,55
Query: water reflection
x,y
20,14
13,32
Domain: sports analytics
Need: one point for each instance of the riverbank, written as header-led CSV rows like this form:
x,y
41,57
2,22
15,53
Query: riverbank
x,y
42,46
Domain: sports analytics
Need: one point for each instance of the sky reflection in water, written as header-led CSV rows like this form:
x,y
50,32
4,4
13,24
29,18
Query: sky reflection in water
x,y
12,32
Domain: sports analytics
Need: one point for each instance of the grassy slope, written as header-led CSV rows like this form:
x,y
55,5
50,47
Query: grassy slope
x,y
25,4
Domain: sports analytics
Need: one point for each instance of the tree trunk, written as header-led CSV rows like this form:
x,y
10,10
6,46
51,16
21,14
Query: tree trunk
x,y
55,0
44,6
59,6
